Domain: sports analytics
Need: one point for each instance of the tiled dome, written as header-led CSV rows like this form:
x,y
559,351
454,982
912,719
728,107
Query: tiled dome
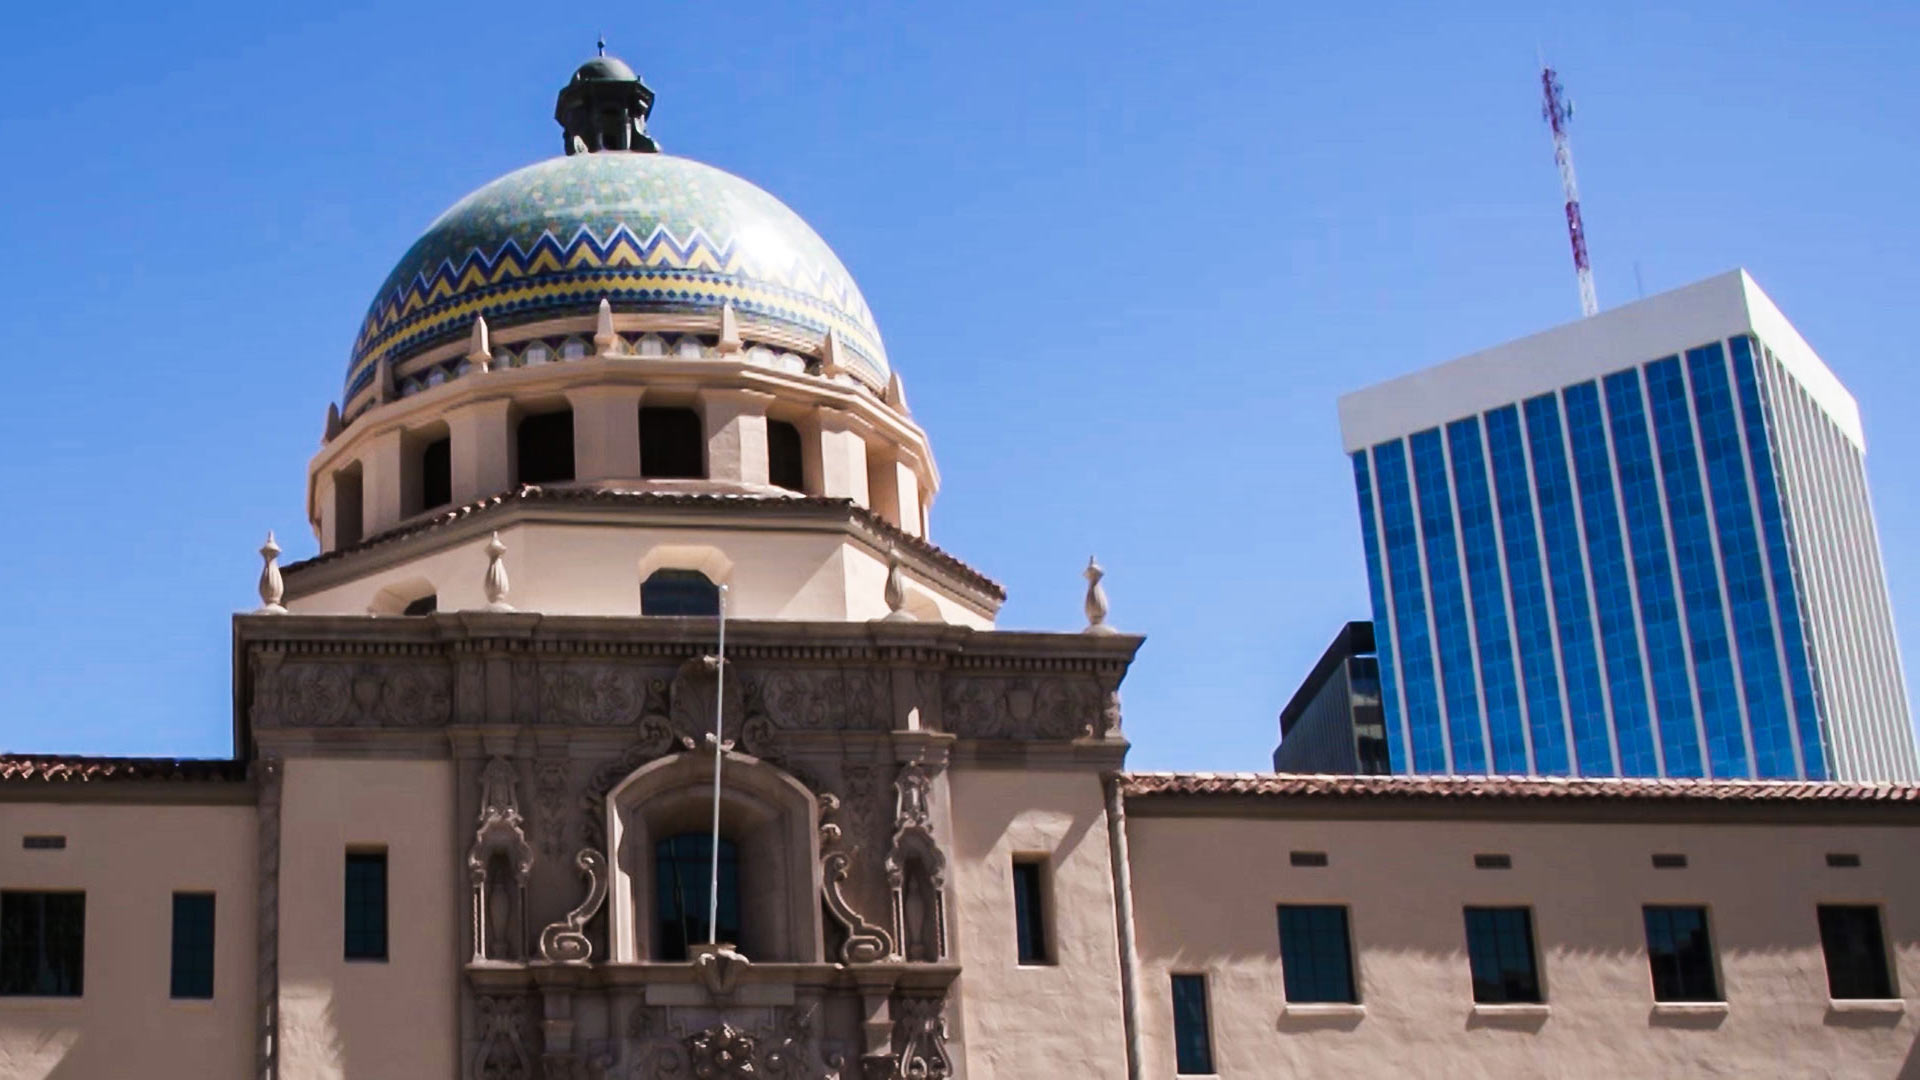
x,y
649,232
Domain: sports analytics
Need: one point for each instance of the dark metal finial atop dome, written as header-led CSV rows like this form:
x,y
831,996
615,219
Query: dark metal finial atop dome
x,y
604,107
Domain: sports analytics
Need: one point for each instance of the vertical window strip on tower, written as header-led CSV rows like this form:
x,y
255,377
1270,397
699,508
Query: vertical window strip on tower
x,y
1479,545
1667,660
1566,570
1426,744
1812,558
1786,601
1612,588
1699,576
1390,707
1771,736
1533,626
1453,635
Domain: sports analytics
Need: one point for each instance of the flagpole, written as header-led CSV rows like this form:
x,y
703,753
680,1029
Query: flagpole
x,y
719,728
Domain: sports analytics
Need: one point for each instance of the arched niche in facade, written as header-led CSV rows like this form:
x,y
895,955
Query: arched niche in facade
x,y
771,818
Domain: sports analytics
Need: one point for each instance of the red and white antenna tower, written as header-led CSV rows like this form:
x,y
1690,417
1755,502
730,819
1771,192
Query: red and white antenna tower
x,y
1558,112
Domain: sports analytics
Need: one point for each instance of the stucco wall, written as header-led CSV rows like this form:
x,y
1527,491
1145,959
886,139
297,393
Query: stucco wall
x,y
1206,891
130,859
364,1019
1059,1020
587,569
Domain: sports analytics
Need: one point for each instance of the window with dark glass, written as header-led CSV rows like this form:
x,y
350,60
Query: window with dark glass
x,y
679,592
673,444
42,943
1500,949
1856,949
682,871
346,506
436,474
1192,1041
1316,954
1030,910
545,446
784,468
1681,954
366,907
192,945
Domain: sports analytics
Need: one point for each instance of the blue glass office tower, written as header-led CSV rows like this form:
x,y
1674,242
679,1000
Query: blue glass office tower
x,y
1636,545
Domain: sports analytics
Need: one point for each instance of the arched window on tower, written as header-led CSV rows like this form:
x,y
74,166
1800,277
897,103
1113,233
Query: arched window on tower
x,y
673,445
544,442
679,592
436,473
784,463
682,870
346,506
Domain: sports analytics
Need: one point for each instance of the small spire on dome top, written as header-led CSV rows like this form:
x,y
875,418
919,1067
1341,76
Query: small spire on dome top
x,y
602,43
604,107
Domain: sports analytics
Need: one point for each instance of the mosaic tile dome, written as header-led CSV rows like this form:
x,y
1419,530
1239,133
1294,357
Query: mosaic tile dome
x,y
649,232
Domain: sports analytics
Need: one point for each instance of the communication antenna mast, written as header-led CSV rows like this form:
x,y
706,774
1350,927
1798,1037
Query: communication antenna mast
x,y
1558,112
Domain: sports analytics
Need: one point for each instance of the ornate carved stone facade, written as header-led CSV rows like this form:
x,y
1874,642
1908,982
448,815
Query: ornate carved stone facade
x,y
547,719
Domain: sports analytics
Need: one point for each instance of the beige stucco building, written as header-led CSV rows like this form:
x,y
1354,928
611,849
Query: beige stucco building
x,y
468,829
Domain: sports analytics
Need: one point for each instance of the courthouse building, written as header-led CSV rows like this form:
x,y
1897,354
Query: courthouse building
x,y
470,820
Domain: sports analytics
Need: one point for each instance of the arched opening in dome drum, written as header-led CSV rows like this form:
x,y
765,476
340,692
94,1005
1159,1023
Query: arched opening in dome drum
x,y
428,482
543,445
785,467
679,592
683,870
673,444
346,506
425,605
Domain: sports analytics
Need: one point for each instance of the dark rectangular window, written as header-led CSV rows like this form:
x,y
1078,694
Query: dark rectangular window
x,y
1842,860
545,446
1316,955
1493,862
436,474
192,945
1192,1043
44,843
1500,948
42,943
1307,858
1030,910
1680,953
366,910
673,444
1669,861
1856,951
784,463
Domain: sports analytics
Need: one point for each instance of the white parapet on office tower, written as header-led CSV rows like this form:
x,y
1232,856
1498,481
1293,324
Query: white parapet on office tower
x,y
1637,544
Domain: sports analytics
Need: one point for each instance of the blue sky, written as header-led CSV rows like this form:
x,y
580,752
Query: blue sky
x,y
1125,256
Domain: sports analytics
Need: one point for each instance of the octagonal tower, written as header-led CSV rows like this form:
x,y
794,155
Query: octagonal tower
x,y
650,377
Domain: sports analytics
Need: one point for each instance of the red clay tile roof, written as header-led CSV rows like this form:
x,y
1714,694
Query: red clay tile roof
x,y
70,769
1311,786
527,493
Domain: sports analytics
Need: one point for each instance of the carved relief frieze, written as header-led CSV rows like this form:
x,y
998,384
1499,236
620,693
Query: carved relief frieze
x,y
599,694
551,777
823,699
319,694
1023,707
775,1043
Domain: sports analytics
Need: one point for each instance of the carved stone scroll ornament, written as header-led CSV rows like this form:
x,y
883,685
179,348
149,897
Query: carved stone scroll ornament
x,y
565,942
723,1052
920,1039
499,929
866,943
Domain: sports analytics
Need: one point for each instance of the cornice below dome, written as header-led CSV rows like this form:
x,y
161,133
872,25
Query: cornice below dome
x,y
647,232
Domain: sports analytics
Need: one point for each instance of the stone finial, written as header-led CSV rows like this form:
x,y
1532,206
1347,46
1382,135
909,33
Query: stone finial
x,y
605,341
1096,599
479,349
730,330
332,430
272,589
831,360
497,576
896,589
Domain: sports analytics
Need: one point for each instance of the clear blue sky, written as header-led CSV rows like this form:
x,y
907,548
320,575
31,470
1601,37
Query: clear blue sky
x,y
1126,256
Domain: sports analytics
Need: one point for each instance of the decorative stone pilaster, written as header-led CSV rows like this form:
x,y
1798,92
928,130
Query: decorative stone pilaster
x,y
736,431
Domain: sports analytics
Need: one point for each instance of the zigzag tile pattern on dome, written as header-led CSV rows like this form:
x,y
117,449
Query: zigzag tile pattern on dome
x,y
648,232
